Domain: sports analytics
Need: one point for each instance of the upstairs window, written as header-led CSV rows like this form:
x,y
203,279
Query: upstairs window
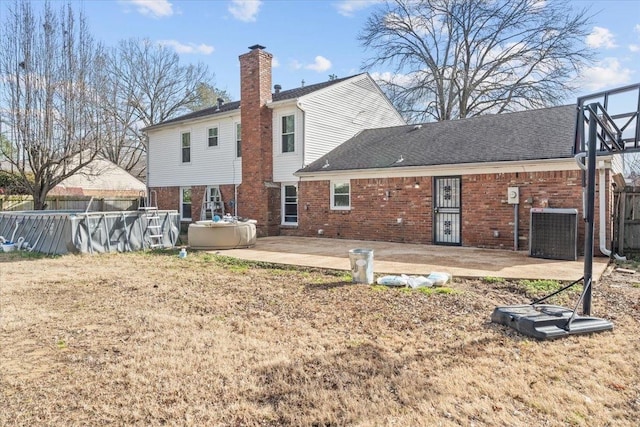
x,y
340,195
238,140
288,134
186,147
212,138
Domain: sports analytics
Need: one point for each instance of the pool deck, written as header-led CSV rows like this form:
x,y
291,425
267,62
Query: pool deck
x,y
414,259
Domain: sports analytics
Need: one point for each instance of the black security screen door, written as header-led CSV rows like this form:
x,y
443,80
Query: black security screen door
x,y
446,211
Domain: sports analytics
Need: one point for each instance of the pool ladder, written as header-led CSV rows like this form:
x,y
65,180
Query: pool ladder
x,y
154,228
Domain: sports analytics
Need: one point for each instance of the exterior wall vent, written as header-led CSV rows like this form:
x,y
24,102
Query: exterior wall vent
x,y
553,233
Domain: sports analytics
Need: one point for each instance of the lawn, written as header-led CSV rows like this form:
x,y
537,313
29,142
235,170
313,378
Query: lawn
x,y
152,339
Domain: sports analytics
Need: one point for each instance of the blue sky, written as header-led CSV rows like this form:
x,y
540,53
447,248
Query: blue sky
x,y
311,39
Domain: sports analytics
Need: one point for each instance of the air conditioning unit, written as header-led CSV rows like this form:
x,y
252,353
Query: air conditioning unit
x,y
553,233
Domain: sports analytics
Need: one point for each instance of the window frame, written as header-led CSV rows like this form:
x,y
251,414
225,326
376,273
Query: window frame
x,y
284,134
183,148
284,204
238,135
217,137
333,195
183,203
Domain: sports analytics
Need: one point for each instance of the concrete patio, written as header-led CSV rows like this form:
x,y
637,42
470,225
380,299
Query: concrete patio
x,y
412,259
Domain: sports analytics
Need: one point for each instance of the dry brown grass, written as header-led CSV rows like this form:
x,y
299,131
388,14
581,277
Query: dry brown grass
x,y
150,339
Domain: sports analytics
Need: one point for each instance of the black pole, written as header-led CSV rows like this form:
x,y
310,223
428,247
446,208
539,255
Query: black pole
x,y
591,189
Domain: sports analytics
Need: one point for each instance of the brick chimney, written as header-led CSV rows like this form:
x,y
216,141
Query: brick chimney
x,y
256,198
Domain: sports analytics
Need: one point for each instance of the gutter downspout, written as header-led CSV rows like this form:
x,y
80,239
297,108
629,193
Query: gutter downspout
x,y
304,130
602,230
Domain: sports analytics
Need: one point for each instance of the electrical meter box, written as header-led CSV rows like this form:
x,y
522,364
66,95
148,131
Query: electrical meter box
x,y
513,195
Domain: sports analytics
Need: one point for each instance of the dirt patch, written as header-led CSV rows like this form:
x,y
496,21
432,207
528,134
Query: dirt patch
x,y
150,339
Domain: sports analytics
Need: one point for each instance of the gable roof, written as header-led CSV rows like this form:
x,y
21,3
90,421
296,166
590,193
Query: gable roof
x,y
527,135
100,175
235,105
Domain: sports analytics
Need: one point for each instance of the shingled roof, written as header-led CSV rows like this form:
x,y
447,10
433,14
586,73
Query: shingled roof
x,y
235,105
528,135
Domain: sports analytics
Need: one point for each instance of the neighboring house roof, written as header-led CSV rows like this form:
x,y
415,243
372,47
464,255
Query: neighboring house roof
x,y
99,176
235,105
528,135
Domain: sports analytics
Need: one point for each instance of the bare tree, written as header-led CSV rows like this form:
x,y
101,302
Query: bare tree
x,y
461,58
48,95
207,96
146,85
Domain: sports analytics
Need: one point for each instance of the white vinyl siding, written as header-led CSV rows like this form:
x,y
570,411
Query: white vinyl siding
x,y
208,166
340,195
285,164
338,112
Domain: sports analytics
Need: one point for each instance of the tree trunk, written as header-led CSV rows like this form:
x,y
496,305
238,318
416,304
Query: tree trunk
x,y
40,201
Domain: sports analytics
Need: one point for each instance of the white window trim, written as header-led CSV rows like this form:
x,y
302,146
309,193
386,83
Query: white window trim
x,y
283,197
190,146
333,206
213,147
235,144
182,218
282,116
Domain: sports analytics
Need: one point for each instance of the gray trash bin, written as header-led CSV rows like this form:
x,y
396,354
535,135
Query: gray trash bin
x,y
361,265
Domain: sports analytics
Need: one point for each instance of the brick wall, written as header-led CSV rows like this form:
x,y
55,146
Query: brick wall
x,y
376,205
255,199
168,197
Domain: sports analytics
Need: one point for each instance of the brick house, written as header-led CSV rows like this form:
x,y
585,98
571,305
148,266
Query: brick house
x,y
240,157
447,182
336,160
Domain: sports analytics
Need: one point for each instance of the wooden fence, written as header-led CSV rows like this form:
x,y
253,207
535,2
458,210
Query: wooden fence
x,y
628,222
71,203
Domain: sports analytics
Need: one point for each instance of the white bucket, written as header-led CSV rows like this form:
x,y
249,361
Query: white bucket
x,y
8,247
361,265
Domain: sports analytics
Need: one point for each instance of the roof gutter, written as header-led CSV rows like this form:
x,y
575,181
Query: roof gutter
x,y
289,101
438,170
196,120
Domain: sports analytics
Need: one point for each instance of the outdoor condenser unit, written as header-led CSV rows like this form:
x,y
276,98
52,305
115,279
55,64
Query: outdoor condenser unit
x,y
553,233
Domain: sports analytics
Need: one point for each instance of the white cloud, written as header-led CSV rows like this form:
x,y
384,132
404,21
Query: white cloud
x,y
349,7
539,4
607,73
601,37
637,28
634,47
153,8
295,64
275,63
245,10
320,64
188,48
403,80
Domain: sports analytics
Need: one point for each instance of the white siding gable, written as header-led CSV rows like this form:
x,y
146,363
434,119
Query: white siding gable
x,y
208,165
338,112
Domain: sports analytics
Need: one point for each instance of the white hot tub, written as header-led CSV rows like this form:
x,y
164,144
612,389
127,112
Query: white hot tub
x,y
222,234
